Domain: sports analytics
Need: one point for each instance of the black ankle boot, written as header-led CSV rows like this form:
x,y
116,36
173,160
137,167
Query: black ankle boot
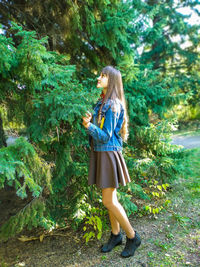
x,y
131,245
113,241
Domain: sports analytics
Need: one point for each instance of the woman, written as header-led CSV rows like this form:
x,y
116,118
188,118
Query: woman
x,y
107,165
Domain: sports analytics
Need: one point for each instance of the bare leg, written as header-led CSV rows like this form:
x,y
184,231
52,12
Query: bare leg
x,y
114,223
110,201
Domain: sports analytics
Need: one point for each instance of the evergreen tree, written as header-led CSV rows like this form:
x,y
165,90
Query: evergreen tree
x,y
43,87
164,45
93,33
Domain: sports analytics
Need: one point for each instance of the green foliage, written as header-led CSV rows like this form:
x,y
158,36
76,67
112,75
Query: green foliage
x,y
95,223
125,200
52,115
21,161
157,155
32,215
6,53
157,192
93,33
48,94
150,93
170,43
21,167
185,112
182,220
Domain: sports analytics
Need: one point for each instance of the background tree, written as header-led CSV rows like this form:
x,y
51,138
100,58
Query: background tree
x,y
171,44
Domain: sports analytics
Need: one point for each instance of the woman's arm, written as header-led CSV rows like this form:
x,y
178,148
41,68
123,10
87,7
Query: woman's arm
x,y
104,135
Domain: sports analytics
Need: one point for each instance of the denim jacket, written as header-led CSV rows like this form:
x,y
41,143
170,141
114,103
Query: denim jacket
x,y
107,138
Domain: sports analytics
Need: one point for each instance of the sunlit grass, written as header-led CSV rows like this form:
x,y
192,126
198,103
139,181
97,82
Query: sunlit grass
x,y
180,223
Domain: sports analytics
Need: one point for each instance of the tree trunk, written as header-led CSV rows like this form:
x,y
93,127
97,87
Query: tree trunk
x,y
2,134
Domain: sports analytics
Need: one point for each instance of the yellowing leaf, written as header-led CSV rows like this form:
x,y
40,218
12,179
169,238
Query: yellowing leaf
x,y
99,235
41,237
164,186
159,187
157,210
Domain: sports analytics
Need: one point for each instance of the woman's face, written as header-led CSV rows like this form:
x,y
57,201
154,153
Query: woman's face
x,y
102,82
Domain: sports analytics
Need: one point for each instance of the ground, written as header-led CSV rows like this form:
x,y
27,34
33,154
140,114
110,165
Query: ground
x,y
170,239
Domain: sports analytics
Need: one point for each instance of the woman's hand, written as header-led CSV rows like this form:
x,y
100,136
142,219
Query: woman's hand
x,y
87,119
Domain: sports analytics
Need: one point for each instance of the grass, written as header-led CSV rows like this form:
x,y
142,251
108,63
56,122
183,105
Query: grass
x,y
178,239
3,264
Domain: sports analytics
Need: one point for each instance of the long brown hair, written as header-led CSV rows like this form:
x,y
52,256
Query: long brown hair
x,y
115,90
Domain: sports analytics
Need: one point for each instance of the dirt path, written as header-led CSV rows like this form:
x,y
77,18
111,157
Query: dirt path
x,y
186,141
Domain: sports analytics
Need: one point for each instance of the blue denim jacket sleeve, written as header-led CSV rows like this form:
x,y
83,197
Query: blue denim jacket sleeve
x,y
104,135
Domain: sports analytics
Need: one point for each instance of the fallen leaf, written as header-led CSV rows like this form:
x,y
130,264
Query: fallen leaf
x,y
41,237
24,238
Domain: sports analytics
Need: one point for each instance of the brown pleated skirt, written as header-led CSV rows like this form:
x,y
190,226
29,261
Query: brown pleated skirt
x,y
107,169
